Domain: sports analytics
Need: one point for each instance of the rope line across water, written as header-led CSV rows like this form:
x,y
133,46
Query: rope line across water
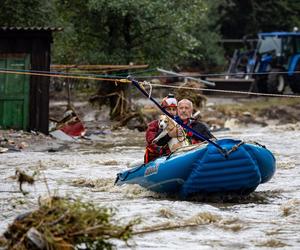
x,y
118,79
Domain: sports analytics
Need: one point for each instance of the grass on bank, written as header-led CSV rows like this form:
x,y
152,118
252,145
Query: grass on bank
x,y
255,105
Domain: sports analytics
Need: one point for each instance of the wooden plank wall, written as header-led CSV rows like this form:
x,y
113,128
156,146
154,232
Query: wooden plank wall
x,y
37,44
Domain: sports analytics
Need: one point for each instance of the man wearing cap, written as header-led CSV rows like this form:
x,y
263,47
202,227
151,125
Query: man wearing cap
x,y
154,151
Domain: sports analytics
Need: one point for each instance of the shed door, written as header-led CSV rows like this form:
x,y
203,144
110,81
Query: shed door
x,y
14,91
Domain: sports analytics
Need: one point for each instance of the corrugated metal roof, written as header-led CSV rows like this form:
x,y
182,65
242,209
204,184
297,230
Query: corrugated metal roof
x,y
4,28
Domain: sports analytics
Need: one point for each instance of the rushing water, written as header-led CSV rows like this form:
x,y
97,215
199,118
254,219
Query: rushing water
x,y
269,218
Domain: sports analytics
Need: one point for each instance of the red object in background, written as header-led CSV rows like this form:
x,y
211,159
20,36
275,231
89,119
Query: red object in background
x,y
74,128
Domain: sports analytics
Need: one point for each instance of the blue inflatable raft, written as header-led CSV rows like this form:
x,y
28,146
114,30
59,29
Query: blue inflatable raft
x,y
205,169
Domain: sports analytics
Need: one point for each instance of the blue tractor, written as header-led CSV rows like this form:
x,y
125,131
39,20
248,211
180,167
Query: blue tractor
x,y
276,61
268,65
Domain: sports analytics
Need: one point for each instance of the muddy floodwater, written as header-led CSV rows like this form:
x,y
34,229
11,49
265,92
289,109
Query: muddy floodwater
x,y
269,218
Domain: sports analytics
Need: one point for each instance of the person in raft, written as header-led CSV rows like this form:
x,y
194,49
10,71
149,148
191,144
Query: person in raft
x,y
154,151
185,111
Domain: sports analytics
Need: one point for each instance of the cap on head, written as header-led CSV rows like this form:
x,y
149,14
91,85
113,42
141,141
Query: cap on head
x,y
169,101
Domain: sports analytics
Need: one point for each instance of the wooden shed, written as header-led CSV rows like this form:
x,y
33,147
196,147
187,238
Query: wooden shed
x,y
24,98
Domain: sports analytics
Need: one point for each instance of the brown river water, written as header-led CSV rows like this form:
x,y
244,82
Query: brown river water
x,y
267,219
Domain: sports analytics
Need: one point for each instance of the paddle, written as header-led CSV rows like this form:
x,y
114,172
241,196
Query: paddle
x,y
176,119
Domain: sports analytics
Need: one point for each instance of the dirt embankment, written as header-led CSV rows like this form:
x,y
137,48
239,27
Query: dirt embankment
x,y
261,111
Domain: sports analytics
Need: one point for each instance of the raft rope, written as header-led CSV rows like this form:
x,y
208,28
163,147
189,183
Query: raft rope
x,y
60,75
124,75
224,91
120,79
235,147
240,74
256,143
150,86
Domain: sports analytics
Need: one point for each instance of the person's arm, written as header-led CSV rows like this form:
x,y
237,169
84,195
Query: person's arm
x,y
151,132
202,129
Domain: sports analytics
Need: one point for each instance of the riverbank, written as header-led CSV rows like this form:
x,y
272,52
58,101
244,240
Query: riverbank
x,y
248,111
219,114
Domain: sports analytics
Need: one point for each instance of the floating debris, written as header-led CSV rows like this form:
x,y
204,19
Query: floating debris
x,y
110,163
233,224
70,124
165,212
61,223
291,207
203,218
22,177
272,243
99,184
3,150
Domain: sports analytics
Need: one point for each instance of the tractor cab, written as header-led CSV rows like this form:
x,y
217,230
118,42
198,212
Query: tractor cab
x,y
278,55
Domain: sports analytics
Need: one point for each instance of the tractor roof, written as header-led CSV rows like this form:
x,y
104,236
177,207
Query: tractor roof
x,y
278,34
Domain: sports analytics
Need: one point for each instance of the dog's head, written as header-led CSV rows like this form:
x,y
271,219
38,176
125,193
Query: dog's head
x,y
163,122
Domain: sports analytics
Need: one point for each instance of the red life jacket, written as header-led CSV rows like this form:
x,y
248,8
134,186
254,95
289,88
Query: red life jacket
x,y
153,151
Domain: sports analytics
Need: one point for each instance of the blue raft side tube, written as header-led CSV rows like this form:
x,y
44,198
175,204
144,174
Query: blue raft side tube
x,y
212,173
170,172
265,161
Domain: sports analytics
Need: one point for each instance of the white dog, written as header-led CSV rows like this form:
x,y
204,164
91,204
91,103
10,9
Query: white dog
x,y
168,125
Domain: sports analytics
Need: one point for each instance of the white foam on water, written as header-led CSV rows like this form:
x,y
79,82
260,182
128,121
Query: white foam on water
x,y
269,219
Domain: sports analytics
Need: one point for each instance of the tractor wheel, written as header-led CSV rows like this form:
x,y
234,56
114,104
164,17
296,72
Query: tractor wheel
x,y
295,84
275,82
261,85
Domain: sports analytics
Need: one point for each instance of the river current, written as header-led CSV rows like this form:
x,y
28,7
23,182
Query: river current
x,y
269,218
